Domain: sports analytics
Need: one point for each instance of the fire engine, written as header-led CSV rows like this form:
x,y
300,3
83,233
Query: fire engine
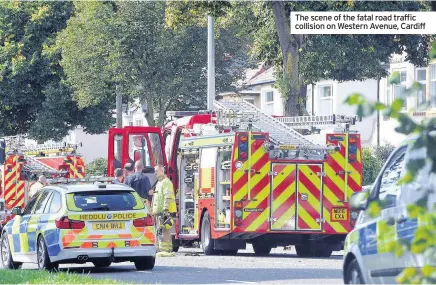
x,y
242,176
21,165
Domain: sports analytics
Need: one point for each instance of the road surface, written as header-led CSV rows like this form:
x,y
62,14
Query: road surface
x,y
281,266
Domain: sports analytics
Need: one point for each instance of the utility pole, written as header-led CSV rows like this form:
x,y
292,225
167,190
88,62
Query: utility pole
x,y
210,62
119,107
378,112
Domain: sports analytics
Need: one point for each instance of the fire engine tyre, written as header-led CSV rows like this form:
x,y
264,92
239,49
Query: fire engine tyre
x,y
42,257
207,242
323,252
261,248
146,263
5,254
303,250
102,263
230,252
353,275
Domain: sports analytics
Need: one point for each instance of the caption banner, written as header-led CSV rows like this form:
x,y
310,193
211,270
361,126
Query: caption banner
x,y
341,23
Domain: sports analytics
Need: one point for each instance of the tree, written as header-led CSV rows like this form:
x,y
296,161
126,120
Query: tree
x,y
304,59
97,167
34,99
127,44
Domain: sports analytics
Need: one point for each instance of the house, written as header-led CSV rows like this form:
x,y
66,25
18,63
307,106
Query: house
x,y
327,97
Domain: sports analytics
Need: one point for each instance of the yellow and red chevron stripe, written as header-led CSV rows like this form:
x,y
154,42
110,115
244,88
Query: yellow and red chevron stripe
x,y
76,164
254,192
309,187
13,186
283,197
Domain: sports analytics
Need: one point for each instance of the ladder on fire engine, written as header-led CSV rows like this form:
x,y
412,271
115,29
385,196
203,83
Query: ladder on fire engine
x,y
312,121
279,132
33,166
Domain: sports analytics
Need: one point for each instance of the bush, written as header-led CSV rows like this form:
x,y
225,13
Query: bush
x,y
383,152
97,167
373,159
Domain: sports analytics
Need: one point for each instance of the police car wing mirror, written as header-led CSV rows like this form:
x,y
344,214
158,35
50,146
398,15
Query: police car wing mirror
x,y
359,200
17,211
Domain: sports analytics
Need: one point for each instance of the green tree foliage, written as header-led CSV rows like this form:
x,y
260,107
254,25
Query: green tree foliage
x,y
126,47
371,166
303,59
97,167
34,99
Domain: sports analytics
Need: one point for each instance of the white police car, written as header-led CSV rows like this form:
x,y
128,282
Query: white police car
x,y
80,223
368,254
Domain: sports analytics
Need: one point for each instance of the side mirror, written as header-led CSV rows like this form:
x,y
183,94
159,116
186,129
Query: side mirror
x,y
17,211
359,200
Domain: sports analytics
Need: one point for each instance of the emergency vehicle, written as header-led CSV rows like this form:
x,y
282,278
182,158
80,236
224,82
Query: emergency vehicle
x,y
242,176
21,165
75,221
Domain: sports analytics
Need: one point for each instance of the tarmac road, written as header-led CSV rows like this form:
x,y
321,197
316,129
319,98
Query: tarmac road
x,y
281,266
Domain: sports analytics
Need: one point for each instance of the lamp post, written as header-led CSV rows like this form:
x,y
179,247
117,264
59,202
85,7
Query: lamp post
x,y
210,62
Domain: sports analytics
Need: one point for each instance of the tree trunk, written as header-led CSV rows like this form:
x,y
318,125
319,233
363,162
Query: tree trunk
x,y
149,116
289,45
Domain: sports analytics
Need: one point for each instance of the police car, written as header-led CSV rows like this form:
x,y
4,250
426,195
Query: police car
x,y
368,254
78,223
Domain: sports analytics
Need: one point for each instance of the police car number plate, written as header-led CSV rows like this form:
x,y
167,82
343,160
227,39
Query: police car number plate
x,y
339,214
109,226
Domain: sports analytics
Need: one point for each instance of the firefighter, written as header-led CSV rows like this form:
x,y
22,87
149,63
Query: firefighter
x,y
164,211
42,181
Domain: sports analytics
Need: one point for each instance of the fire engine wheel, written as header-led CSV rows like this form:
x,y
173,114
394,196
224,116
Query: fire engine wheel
x,y
303,250
207,242
229,252
6,256
261,248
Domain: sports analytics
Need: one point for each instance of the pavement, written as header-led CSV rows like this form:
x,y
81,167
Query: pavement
x,y
280,267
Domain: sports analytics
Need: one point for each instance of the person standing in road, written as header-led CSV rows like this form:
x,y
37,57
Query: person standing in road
x,y
140,182
119,176
128,170
42,181
164,210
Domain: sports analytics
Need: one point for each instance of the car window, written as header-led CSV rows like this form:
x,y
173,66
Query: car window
x,y
388,187
42,202
56,203
28,209
105,201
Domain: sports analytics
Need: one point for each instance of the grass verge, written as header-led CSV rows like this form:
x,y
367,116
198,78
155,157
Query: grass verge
x,y
24,276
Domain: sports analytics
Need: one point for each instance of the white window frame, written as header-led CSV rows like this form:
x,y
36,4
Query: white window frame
x,y
265,96
432,80
323,98
402,84
139,122
130,123
421,82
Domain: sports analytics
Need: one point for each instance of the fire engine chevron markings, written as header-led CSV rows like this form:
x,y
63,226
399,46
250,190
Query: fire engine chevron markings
x,y
241,192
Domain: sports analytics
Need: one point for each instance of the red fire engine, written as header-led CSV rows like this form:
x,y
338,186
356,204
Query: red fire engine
x,y
242,176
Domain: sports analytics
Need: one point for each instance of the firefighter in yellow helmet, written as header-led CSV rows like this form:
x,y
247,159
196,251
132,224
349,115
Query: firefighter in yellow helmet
x,y
164,210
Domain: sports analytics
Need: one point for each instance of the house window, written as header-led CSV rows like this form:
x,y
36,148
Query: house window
x,y
388,91
130,123
139,122
325,106
399,90
269,97
433,85
421,78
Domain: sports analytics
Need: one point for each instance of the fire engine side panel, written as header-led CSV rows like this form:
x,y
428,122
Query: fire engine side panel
x,y
251,183
283,196
309,194
14,186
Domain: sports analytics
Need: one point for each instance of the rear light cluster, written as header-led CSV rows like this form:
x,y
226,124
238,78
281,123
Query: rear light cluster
x,y
243,147
65,223
352,149
238,213
144,222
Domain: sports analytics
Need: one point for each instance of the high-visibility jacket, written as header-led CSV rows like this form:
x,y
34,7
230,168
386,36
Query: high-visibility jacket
x,y
164,198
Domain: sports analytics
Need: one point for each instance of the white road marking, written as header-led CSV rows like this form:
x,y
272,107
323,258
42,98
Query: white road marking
x,y
237,281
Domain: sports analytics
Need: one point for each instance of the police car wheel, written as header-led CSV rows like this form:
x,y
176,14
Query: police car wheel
x,y
102,263
42,256
207,243
353,274
6,256
146,263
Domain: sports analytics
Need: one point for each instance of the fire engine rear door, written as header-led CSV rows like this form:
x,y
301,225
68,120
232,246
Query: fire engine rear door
x,y
283,191
309,194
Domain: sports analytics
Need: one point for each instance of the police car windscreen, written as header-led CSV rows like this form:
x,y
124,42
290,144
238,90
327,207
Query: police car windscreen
x,y
105,201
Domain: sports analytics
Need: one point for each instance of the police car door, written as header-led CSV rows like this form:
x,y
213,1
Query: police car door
x,y
380,231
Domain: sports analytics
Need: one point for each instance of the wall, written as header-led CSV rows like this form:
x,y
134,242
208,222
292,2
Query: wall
x,y
276,107
93,146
